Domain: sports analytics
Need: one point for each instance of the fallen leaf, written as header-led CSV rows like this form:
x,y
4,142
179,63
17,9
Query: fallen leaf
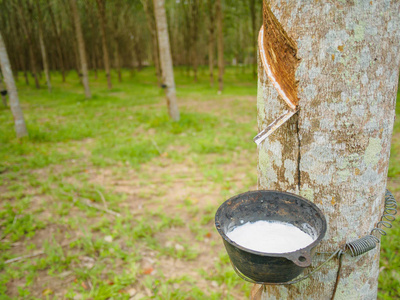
x,y
208,234
179,247
47,292
108,238
138,296
148,271
84,285
132,292
87,261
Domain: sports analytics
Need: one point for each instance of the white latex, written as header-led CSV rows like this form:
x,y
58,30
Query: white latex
x,y
270,237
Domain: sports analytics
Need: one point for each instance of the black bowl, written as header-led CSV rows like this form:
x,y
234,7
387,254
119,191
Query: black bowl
x,y
270,206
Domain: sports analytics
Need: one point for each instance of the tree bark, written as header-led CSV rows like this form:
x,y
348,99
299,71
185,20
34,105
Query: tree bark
x,y
81,48
211,38
166,59
42,47
138,53
117,34
151,24
117,60
93,42
2,92
21,57
220,46
16,110
252,8
58,42
194,34
28,37
103,21
156,56
335,151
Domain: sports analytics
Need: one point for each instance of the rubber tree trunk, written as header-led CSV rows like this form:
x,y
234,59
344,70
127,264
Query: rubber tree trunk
x,y
194,33
57,41
3,91
81,48
42,47
335,151
117,37
211,38
166,59
45,63
156,56
28,37
16,30
117,60
252,9
220,46
151,23
103,21
93,42
16,110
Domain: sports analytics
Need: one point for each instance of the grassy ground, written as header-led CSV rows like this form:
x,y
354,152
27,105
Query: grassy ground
x,y
114,200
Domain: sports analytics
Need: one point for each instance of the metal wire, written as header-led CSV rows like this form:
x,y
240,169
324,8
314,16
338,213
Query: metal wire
x,y
369,242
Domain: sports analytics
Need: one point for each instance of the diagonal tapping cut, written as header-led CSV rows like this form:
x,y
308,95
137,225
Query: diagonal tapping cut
x,y
279,57
278,54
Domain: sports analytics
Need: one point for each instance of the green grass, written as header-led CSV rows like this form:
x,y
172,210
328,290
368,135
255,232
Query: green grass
x,y
47,180
161,180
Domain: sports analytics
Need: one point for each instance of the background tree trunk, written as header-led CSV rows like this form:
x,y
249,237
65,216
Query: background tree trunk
x,y
116,32
103,30
166,59
252,8
211,38
151,23
2,91
57,41
16,110
194,34
93,44
81,48
28,37
117,60
220,46
42,47
335,152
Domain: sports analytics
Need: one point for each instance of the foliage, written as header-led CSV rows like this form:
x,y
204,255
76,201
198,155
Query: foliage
x,y
129,26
